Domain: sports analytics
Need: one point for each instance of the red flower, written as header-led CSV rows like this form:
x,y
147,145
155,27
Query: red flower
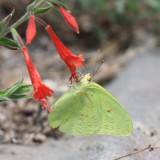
x,y
70,20
71,60
31,29
41,91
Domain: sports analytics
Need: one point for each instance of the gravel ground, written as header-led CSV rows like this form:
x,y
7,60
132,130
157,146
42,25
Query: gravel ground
x,y
137,88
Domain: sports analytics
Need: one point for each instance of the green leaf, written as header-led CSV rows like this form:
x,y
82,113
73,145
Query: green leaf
x,y
6,20
132,7
14,87
15,34
59,4
8,43
15,91
41,10
19,96
4,91
32,5
2,99
23,89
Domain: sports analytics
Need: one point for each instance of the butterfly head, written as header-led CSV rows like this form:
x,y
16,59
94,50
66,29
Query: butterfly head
x,y
86,79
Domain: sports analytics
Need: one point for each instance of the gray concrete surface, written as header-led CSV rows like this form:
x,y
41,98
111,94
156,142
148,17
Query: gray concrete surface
x,y
137,87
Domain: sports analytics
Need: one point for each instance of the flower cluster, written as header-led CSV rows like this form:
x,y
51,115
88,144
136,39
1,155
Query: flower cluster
x,y
41,91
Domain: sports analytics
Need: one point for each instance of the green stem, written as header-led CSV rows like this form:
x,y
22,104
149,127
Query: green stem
x,y
21,20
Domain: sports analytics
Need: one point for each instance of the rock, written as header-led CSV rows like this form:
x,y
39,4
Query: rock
x,y
39,138
1,136
2,118
29,108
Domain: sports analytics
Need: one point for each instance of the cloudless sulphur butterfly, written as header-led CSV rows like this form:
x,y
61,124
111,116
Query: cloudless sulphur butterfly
x,y
87,108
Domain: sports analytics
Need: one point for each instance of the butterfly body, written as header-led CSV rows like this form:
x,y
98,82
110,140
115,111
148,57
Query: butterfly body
x,y
87,108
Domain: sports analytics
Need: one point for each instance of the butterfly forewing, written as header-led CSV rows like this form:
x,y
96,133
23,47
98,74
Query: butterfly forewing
x,y
76,112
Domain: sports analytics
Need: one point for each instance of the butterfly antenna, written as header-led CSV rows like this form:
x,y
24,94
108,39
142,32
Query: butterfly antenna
x,y
96,61
80,74
98,68
85,67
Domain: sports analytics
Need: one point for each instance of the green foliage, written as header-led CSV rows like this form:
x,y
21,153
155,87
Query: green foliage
x,y
6,20
16,91
38,10
127,8
32,5
87,108
58,3
41,10
15,36
8,43
154,5
106,14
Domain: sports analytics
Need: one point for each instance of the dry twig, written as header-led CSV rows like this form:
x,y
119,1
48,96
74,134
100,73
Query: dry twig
x,y
150,148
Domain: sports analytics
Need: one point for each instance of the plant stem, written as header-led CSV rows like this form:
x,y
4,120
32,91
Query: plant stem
x,y
21,20
131,153
150,148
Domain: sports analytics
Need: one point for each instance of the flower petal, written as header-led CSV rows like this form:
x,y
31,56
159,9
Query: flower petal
x,y
70,20
31,30
76,60
45,106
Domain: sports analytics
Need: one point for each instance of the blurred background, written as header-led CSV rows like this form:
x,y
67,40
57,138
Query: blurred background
x,y
121,29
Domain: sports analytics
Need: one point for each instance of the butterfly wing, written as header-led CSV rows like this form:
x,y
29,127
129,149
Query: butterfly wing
x,y
90,109
77,112
115,119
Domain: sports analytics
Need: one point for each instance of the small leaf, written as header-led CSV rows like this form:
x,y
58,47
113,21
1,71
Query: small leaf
x,y
6,20
23,89
19,96
132,7
14,87
15,91
32,5
2,99
59,4
41,10
8,43
4,91
15,34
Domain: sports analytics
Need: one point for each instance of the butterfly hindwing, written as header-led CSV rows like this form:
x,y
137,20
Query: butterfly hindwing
x,y
115,119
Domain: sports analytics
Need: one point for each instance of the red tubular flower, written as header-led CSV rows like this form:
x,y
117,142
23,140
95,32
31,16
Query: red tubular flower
x,y
70,20
31,29
71,60
41,91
